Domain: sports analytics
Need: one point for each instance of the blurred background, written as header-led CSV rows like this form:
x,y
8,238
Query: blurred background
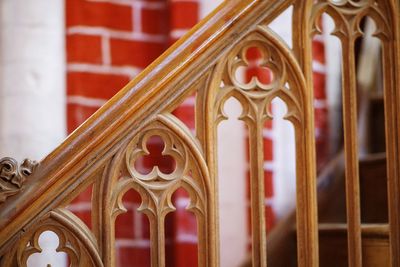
x,y
61,60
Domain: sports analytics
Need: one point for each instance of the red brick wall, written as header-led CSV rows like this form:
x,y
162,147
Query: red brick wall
x,y
108,43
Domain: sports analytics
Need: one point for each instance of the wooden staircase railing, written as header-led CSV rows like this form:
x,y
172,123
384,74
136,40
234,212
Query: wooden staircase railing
x,y
102,152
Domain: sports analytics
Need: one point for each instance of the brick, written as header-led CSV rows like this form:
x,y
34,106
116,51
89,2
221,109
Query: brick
x,y
263,75
165,163
170,226
253,54
185,223
268,184
135,53
186,255
95,85
85,216
169,252
269,218
77,114
84,49
85,196
268,123
268,149
155,21
184,15
145,234
127,227
319,80
124,225
100,14
318,51
132,196
179,193
137,256
187,115
321,117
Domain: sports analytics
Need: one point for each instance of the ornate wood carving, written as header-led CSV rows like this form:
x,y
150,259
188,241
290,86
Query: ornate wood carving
x,y
75,239
288,84
347,15
104,150
13,176
156,188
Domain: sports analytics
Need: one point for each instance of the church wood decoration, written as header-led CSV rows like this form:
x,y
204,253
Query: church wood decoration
x,y
13,176
103,151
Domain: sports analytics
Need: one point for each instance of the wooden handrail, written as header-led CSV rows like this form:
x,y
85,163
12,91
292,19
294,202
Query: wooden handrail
x,y
138,100
102,151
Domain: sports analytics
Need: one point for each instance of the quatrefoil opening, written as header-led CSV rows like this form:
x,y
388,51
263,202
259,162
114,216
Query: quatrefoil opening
x,y
255,68
156,158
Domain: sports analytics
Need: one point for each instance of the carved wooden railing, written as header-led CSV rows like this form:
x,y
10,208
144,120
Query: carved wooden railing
x,y
103,150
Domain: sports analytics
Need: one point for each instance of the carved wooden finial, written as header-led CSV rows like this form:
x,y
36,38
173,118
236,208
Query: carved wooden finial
x,y
13,176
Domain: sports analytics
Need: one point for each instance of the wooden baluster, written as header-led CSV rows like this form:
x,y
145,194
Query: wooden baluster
x,y
392,111
351,153
306,201
157,240
306,194
203,253
259,239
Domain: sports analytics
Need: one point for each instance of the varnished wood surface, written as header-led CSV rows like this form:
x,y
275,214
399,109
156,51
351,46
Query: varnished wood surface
x,y
282,240
375,245
373,187
102,152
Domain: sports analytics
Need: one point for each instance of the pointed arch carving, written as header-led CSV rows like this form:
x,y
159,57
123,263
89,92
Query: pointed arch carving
x,y
347,15
205,61
287,79
75,239
288,84
156,188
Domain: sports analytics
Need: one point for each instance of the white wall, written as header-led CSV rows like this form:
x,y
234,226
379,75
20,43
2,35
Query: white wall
x,y
232,187
32,88
32,95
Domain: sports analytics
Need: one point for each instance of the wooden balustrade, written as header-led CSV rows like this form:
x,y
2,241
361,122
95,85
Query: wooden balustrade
x,y
102,152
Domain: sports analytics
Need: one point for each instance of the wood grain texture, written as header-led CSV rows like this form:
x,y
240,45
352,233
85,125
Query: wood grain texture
x,y
347,16
375,245
103,151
